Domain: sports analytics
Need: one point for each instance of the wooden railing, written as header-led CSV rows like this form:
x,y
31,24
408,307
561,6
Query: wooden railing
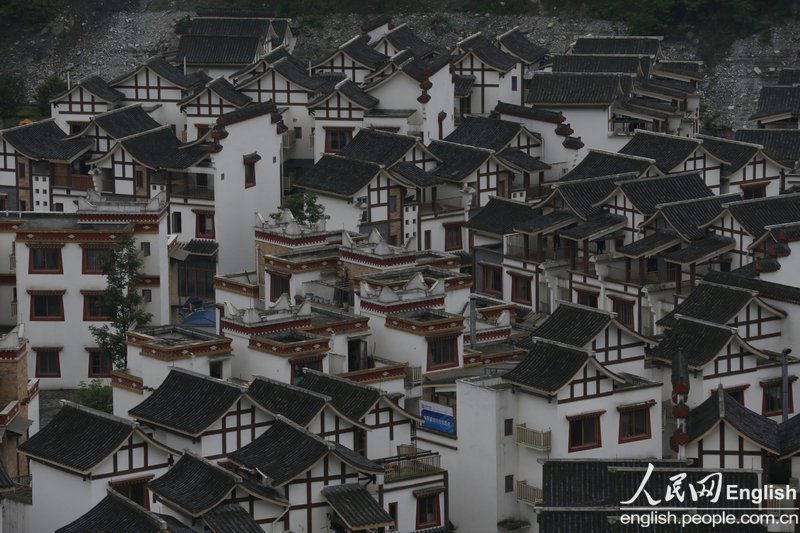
x,y
532,438
422,464
12,260
778,506
528,494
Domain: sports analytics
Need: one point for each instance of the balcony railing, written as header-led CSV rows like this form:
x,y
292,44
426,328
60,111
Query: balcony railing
x,y
779,506
532,438
76,181
424,463
529,494
12,261
193,191
14,309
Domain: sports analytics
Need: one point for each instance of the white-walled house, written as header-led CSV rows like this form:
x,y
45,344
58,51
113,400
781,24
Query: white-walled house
x,y
498,75
74,108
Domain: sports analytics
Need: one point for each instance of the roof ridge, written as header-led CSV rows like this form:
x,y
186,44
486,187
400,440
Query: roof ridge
x,y
20,126
477,148
667,176
506,34
764,199
290,386
731,141
782,225
667,135
297,427
648,37
345,158
638,56
465,39
679,316
701,199
754,293
397,27
140,133
118,109
589,353
102,414
207,378
611,314
627,156
341,46
187,452
559,184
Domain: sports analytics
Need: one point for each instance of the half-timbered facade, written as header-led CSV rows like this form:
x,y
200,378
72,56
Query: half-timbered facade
x,y
74,108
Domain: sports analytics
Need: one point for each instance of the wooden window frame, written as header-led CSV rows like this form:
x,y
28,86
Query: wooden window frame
x,y
453,227
94,352
249,174
508,427
598,437
434,500
116,485
592,294
33,270
515,277
48,350
453,340
272,276
198,231
615,301
638,408
214,365
146,249
47,294
771,384
176,220
485,268
329,149
87,296
85,262
299,365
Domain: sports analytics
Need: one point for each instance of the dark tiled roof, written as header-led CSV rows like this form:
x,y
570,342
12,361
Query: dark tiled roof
x,y
519,159
595,226
98,87
646,194
669,151
458,161
692,69
766,289
362,53
488,53
348,398
78,438
230,27
376,146
356,460
615,45
422,69
404,38
245,113
501,216
463,85
581,195
520,46
338,175
789,76
567,88
347,88
227,91
778,99
700,341
575,325
282,452
127,121
297,404
282,53
194,485
702,249
648,245
710,302
415,175
543,223
755,214
736,154
170,73
722,406
781,145
597,63
548,367
483,132
205,247
543,115
45,141
231,518
116,514
160,149
686,217
217,50
187,402
297,74
356,507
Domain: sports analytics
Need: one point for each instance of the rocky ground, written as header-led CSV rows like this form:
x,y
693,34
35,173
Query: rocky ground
x,y
111,41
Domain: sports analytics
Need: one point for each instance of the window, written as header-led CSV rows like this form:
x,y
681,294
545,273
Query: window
x,y
145,248
196,279
513,83
134,489
521,289
45,261
427,236
493,279
139,178
452,238
176,222
298,133
100,364
147,295
93,259
3,203
93,306
442,352
624,310
202,130
393,514
360,441
588,299
278,284
76,127
47,306
337,138
215,369
772,404
509,482
737,393
205,225
21,170
584,431
58,206
297,369
508,427
47,362
634,422
393,204
428,511
250,161
754,191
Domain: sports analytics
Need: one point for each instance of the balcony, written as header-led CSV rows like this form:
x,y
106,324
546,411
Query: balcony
x,y
537,255
779,506
76,181
12,261
528,494
532,438
203,192
421,463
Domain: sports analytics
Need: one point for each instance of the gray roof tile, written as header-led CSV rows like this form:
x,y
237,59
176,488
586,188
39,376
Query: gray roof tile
x,y
548,367
356,506
567,88
669,151
194,485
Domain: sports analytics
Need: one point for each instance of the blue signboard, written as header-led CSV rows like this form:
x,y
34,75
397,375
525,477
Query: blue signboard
x,y
438,417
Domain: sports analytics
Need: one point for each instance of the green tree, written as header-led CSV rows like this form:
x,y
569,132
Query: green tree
x,y
47,90
122,302
96,395
12,94
305,207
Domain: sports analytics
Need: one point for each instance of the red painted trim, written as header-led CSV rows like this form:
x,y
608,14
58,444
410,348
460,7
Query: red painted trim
x,y
598,441
33,270
57,351
632,438
48,318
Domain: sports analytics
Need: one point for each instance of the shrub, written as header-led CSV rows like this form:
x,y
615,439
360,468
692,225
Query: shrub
x,y
96,395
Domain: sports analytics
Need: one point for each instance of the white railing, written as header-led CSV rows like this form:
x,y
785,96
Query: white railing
x,y
12,260
532,438
529,494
